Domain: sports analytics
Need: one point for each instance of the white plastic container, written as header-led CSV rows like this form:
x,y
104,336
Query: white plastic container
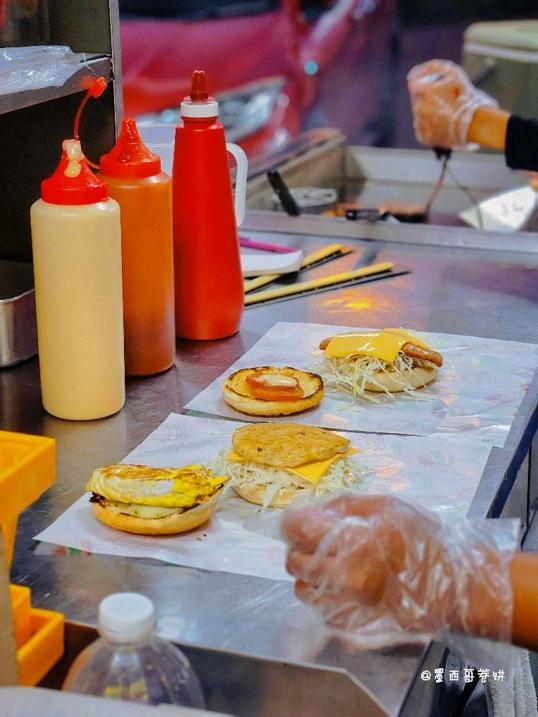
x,y
502,58
159,138
38,702
129,662
78,290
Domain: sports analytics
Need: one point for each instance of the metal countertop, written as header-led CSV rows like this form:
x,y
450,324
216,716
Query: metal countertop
x,y
448,290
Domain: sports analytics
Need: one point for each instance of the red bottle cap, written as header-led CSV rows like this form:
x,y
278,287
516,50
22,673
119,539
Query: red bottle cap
x,y
73,182
198,90
130,157
199,105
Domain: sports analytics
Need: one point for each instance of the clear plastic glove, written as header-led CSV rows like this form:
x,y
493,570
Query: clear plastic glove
x,y
381,568
443,101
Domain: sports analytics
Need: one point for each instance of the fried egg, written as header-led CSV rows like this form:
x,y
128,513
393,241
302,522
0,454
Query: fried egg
x,y
157,487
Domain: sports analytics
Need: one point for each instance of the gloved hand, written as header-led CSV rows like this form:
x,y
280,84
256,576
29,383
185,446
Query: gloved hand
x,y
443,101
379,566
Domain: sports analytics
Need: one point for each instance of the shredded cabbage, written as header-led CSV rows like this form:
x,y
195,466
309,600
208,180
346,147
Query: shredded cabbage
x,y
352,374
342,474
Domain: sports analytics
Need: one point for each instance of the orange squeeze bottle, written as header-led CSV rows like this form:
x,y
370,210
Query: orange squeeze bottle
x,y
134,179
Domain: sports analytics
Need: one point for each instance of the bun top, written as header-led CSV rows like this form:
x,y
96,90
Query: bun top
x,y
286,445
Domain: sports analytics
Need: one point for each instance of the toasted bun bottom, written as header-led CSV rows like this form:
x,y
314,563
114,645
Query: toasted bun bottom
x,y
257,407
169,525
254,494
237,394
418,377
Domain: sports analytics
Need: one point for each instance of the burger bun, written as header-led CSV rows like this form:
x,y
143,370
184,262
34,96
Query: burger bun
x,y
237,394
417,377
168,525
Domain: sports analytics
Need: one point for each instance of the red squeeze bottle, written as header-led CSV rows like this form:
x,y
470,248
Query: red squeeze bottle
x,y
134,179
208,280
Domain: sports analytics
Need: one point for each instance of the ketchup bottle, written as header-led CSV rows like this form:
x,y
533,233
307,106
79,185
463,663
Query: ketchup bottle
x,y
134,179
208,280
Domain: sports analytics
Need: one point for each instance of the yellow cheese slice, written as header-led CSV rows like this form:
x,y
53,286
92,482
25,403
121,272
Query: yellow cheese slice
x,y
383,345
312,472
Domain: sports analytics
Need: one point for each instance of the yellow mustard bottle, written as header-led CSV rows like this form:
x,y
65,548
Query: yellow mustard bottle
x,y
77,269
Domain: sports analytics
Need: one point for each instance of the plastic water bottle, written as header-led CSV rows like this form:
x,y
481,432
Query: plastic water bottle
x,y
129,662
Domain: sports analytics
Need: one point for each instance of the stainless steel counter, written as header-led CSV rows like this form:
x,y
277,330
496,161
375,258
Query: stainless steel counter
x,y
249,630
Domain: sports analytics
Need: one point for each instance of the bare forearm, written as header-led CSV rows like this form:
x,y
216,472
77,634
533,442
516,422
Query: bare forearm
x,y
524,577
485,615
488,127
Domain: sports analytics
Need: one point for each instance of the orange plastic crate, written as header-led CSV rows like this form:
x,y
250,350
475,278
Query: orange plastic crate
x,y
27,469
20,606
44,648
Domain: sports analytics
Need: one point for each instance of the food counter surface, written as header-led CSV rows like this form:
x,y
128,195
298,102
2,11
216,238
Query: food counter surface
x,y
449,290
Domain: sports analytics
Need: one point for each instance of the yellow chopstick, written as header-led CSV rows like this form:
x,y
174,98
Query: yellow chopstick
x,y
337,249
318,283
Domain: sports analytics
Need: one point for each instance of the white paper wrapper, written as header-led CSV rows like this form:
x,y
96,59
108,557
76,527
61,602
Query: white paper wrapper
x,y
478,390
440,472
260,263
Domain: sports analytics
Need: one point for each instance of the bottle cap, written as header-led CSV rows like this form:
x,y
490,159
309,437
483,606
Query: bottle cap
x,y
126,618
199,104
73,182
130,157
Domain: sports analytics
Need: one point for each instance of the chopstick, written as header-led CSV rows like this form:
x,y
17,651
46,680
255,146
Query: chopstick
x,y
265,246
346,277
333,251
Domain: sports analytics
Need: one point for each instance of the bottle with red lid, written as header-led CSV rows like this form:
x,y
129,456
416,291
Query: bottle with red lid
x,y
208,281
77,271
134,179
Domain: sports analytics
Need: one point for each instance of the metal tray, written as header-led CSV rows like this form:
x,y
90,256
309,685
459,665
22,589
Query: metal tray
x,y
18,334
372,177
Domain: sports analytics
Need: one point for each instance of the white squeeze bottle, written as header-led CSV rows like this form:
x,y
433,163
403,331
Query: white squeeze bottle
x,y
77,269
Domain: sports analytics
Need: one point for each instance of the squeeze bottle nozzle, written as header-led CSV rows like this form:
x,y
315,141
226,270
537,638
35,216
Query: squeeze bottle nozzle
x,y
73,182
130,157
198,90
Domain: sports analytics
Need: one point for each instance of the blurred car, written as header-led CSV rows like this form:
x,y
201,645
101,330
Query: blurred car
x,y
263,58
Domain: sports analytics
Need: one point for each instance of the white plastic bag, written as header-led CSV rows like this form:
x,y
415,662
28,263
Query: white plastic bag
x,y
32,68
